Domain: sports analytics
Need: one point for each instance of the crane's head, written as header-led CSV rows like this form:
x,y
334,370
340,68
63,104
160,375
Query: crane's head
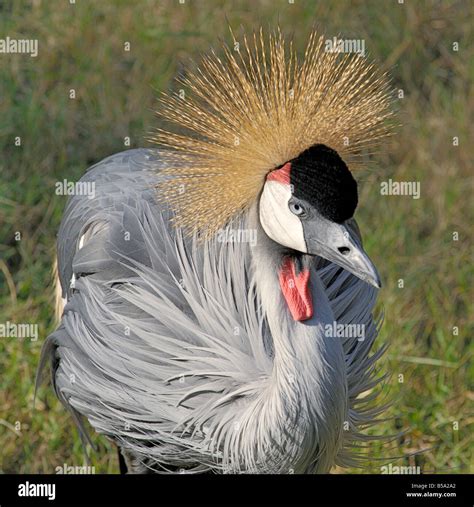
x,y
261,126
306,204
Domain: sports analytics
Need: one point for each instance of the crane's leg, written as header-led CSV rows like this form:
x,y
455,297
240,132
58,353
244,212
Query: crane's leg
x,y
122,464
130,464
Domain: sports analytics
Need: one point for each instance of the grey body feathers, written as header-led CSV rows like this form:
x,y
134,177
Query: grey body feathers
x,y
186,355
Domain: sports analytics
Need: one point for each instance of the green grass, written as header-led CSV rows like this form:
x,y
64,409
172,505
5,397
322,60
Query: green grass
x,y
81,46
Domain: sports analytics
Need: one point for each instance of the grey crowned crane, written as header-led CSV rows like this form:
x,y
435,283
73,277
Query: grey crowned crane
x,y
203,283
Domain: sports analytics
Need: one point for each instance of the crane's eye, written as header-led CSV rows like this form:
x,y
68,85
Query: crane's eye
x,y
296,208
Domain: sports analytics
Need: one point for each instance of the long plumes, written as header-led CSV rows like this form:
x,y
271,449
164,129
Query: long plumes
x,y
149,338
255,108
178,404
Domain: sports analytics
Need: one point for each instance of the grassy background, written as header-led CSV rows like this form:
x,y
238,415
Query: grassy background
x,y
81,46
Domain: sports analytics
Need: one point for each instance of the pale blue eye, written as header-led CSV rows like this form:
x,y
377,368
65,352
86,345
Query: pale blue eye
x,y
296,208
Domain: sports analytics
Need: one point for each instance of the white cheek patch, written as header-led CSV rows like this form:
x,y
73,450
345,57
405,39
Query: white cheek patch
x,y
277,220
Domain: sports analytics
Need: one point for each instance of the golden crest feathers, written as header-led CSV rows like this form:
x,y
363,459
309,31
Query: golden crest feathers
x,y
256,108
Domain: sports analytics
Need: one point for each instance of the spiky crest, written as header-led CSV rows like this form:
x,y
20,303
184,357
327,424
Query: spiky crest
x,y
256,108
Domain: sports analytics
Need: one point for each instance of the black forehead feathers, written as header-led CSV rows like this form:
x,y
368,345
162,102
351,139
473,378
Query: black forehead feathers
x,y
320,177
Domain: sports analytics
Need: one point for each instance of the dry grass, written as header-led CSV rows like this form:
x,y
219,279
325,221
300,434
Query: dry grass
x,y
81,46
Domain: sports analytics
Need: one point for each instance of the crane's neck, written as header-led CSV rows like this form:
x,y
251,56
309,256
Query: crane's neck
x,y
308,381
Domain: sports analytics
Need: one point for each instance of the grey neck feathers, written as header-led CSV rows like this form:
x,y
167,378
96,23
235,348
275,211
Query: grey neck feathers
x,y
308,383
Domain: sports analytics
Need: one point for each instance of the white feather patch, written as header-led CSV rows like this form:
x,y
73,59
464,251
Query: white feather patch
x,y
277,220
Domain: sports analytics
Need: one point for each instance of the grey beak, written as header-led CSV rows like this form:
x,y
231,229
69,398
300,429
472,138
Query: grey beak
x,y
340,243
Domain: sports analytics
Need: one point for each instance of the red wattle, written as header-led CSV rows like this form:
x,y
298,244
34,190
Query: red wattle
x,y
296,290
